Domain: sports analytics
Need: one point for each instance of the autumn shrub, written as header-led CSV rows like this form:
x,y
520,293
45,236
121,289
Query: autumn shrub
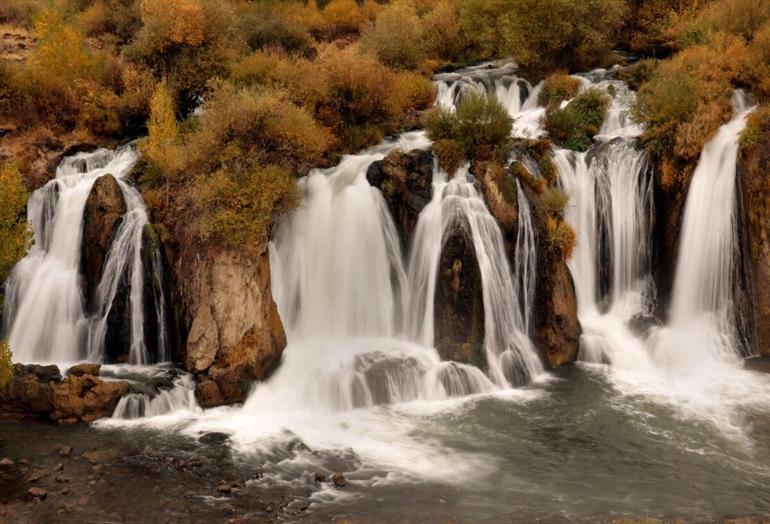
x,y
187,41
442,33
14,230
757,130
162,147
449,153
557,88
544,36
6,365
396,37
561,237
20,12
575,125
238,205
554,200
481,127
263,25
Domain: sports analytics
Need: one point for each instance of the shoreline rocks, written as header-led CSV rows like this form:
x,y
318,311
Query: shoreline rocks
x,y
79,397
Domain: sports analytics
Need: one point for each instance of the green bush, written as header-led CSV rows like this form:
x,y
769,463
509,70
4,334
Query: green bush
x,y
557,88
481,126
15,234
575,125
554,201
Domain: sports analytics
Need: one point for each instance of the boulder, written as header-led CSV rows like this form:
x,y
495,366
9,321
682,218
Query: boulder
x,y
102,217
154,295
85,398
405,180
29,390
207,394
84,369
235,334
557,329
458,302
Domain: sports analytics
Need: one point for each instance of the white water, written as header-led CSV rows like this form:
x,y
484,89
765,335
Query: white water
x,y
692,364
45,316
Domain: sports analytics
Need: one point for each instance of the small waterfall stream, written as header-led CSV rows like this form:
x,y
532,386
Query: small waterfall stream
x,y
45,316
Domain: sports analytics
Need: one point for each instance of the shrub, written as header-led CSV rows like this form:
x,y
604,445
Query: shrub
x,y
396,37
576,124
543,36
263,25
561,237
449,153
14,230
238,206
757,130
554,201
481,125
6,366
557,88
442,32
187,41
162,146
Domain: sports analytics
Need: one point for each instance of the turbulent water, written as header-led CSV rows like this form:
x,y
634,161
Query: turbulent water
x,y
361,388
45,317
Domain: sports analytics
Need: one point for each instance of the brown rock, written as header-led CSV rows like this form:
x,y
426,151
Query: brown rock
x,y
339,480
37,493
5,461
754,201
29,390
61,479
65,451
37,475
557,329
458,302
236,333
84,369
207,394
224,488
102,216
86,398
405,180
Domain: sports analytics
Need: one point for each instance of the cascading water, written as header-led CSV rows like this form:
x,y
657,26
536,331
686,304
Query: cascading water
x,y
45,316
702,321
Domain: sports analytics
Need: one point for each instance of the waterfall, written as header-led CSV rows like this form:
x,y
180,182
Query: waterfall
x,y
45,317
702,321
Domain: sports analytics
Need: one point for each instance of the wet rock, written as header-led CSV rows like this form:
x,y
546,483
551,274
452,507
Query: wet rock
x,y
753,302
458,302
641,324
405,180
101,455
102,217
29,390
59,467
5,461
319,478
35,476
557,329
236,335
85,398
23,462
61,479
214,439
760,364
37,493
155,289
225,487
207,394
84,369
339,480
65,451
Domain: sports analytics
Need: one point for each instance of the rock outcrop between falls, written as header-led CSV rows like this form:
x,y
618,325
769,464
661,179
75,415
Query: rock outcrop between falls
x,y
232,332
459,302
556,327
41,391
405,180
754,202
102,217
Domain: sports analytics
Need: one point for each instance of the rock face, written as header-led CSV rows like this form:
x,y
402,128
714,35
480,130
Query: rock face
x,y
405,180
41,391
235,334
102,217
557,329
156,308
459,303
754,199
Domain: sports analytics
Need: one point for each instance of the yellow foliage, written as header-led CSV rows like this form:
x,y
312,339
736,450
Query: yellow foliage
x,y
397,36
6,366
179,21
14,230
161,147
